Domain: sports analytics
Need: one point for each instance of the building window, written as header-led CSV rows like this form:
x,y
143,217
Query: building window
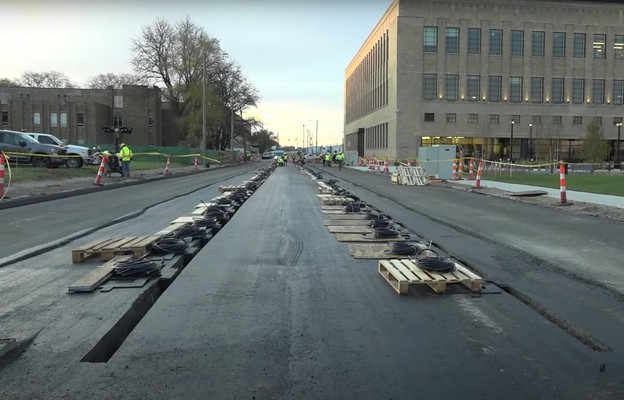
x,y
617,120
515,89
494,118
451,87
80,119
63,120
496,41
118,102
597,121
117,122
495,88
598,86
451,117
618,92
150,120
536,119
53,120
515,119
430,39
577,120
557,91
618,47
537,44
429,117
558,44
5,117
578,91
556,119
473,118
37,119
517,43
430,84
599,45
452,40
579,45
473,87
537,90
474,41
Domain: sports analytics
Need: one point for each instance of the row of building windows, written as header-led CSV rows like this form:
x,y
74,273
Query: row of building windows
x,y
538,43
516,93
367,87
376,137
515,119
56,119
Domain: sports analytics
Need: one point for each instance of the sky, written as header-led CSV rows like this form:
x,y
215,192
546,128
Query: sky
x,y
293,51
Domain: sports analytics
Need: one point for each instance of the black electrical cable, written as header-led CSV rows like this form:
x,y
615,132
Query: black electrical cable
x,y
429,260
384,233
379,223
401,248
140,267
187,230
351,208
170,245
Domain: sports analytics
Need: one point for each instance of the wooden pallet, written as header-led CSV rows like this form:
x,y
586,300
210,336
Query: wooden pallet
x,y
109,248
378,250
96,277
400,273
231,188
324,188
172,227
359,237
331,200
350,229
342,216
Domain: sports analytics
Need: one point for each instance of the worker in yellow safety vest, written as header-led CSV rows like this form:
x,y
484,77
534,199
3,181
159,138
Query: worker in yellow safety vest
x,y
340,160
125,155
328,159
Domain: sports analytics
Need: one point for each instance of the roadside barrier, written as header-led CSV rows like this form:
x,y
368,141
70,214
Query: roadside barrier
x,y
167,165
1,175
409,163
478,181
454,170
460,168
98,178
370,164
562,184
471,170
386,169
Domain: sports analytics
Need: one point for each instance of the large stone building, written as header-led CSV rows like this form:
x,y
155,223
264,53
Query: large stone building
x,y
477,72
79,115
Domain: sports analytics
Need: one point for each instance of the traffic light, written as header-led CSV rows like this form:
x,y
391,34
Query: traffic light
x,y
108,129
124,129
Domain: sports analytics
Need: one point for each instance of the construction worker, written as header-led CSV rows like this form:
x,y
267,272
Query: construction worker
x,y
340,160
285,159
328,159
125,155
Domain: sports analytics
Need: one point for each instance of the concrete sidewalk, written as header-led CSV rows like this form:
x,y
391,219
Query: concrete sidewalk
x,y
572,195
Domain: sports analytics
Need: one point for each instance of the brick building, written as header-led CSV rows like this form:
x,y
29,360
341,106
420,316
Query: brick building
x,y
79,115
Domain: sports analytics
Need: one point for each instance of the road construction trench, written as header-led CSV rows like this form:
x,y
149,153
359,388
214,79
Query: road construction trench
x,y
576,332
108,345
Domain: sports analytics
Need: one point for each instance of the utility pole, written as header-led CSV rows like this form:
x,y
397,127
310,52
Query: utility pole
x,y
203,142
303,139
232,132
316,144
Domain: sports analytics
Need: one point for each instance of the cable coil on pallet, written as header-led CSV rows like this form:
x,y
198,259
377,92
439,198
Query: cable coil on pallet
x,y
168,245
401,248
429,260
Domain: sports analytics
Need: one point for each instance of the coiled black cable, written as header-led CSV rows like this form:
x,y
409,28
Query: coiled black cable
x,y
140,267
379,223
401,248
429,260
385,233
351,208
170,245
187,230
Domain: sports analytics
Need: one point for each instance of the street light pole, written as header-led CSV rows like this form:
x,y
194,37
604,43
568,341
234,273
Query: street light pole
x,y
511,141
531,142
303,139
617,151
203,142
316,144
232,131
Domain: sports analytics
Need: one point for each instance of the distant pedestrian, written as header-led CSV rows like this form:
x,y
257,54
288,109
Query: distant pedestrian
x,y
125,155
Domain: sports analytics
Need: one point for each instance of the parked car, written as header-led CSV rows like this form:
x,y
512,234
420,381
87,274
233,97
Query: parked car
x,y
28,148
80,155
267,155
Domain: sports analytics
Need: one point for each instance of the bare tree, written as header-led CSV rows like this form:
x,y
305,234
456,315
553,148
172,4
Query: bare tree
x,y
48,79
6,82
173,55
102,81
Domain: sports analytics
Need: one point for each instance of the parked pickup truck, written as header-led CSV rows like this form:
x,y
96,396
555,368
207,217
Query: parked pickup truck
x,y
22,148
78,155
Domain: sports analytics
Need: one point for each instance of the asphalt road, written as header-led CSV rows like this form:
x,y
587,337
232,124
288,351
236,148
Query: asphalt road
x,y
274,307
